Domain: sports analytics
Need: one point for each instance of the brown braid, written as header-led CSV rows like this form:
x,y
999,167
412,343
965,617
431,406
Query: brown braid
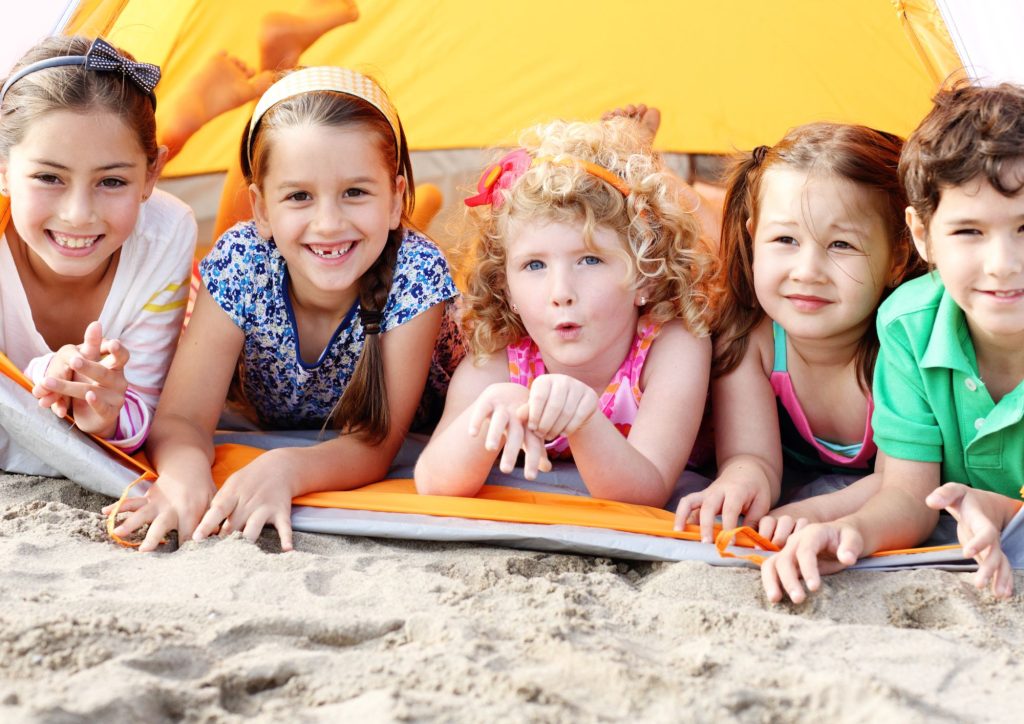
x,y
363,408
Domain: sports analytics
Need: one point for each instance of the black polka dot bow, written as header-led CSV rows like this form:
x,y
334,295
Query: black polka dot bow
x,y
102,56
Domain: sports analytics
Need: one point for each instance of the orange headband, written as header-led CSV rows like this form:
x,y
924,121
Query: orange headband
x,y
513,165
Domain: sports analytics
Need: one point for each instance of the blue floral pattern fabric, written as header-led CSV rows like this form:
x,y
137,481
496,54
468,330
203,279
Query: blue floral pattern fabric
x,y
248,278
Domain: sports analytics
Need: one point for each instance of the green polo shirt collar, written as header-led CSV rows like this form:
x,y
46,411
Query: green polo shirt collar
x,y
950,351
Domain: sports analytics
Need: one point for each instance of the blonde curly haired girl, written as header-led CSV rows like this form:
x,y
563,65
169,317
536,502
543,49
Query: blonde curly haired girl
x,y
583,294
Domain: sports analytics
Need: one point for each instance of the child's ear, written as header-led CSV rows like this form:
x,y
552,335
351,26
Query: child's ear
x,y
919,232
259,211
398,202
3,177
153,172
749,226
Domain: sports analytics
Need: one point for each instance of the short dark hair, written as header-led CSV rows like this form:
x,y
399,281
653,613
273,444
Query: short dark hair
x,y
969,132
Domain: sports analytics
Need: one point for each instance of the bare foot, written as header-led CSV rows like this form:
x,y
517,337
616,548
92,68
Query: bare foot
x,y
222,83
285,36
648,118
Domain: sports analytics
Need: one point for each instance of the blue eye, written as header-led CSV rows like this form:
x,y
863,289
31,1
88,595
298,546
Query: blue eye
x,y
534,265
590,260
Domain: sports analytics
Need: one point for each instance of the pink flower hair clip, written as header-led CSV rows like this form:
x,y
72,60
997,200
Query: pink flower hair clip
x,y
499,177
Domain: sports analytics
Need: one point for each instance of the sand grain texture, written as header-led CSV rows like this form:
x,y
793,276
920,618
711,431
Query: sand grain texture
x,y
379,631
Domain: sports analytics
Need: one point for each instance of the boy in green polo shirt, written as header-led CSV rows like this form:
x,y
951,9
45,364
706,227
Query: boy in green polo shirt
x,y
949,380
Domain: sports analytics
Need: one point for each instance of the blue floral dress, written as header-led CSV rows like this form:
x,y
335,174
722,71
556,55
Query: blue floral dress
x,y
248,278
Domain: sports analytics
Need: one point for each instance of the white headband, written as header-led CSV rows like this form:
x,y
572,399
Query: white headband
x,y
326,78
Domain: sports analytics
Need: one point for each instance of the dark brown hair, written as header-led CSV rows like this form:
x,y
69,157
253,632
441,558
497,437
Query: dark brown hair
x,y
73,88
363,407
969,132
858,154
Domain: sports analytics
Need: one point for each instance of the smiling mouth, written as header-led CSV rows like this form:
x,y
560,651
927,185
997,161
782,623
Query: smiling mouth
x,y
331,251
73,242
805,301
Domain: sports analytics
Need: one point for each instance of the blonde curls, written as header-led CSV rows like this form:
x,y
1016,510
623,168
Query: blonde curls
x,y
661,236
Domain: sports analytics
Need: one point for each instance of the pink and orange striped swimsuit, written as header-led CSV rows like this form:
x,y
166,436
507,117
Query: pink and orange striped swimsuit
x,y
620,401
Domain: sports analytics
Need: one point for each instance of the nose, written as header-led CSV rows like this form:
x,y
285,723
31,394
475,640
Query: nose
x,y
1003,256
328,219
562,289
78,208
809,264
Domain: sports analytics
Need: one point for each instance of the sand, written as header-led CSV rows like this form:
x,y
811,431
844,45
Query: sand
x,y
371,630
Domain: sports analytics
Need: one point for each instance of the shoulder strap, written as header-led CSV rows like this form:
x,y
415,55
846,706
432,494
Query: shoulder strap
x,y
779,335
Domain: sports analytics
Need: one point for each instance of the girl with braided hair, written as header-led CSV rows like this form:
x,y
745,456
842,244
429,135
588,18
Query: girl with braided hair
x,y
331,306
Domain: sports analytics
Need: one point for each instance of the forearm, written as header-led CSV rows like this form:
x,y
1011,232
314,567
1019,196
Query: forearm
x,y
454,463
613,469
343,463
180,450
828,507
891,519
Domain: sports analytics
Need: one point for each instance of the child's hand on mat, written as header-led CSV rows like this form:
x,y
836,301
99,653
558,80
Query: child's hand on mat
x,y
819,548
781,523
503,408
167,505
258,494
730,495
89,377
559,405
980,516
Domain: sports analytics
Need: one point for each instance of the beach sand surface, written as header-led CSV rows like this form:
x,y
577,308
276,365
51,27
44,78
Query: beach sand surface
x,y
379,631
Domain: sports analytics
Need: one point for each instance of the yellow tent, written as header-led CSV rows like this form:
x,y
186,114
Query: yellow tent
x,y
469,73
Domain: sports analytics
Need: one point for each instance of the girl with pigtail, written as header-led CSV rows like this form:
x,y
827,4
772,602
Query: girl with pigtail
x,y
584,314
813,240
334,310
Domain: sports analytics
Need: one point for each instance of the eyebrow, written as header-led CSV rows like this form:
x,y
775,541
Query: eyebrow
x,y
970,221
106,167
360,181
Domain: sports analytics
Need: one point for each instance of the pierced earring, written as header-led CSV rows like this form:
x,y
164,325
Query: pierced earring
x,y
643,301
515,309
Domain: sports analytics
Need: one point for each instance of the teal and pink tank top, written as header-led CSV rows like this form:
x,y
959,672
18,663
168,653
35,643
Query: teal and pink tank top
x,y
798,440
620,401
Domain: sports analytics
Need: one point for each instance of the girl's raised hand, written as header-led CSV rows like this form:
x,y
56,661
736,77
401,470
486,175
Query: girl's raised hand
x,y
504,408
980,517
258,494
819,548
559,405
731,495
90,377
